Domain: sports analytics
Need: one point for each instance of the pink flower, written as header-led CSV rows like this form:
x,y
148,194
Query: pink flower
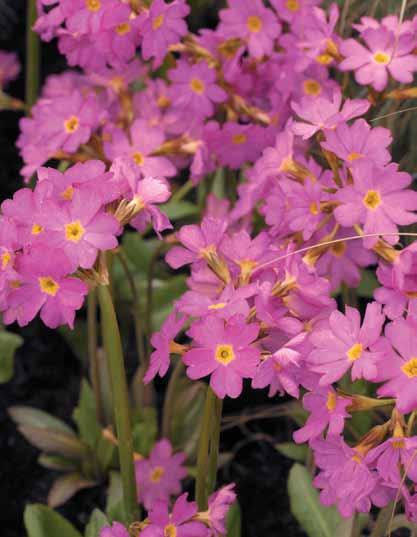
x,y
160,476
139,146
324,113
9,67
81,228
94,15
218,507
115,530
161,27
327,410
252,21
358,141
398,364
43,284
291,10
378,199
179,523
223,351
385,54
393,455
194,88
304,206
161,341
345,344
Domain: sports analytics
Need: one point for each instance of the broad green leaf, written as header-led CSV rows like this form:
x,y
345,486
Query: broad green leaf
x,y
114,505
293,451
179,209
145,430
139,251
97,521
57,462
368,284
234,521
106,454
65,487
33,417
85,416
9,343
57,442
42,521
316,519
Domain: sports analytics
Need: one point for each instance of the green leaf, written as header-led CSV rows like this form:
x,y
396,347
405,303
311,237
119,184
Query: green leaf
x,y
316,519
368,284
293,451
179,209
65,487
114,505
139,251
53,441
106,454
57,462
234,521
145,430
77,339
42,521
165,292
85,416
33,417
97,521
9,342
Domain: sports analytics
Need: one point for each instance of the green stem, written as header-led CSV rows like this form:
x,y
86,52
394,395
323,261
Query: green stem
x,y
182,191
92,351
208,449
32,56
114,354
169,399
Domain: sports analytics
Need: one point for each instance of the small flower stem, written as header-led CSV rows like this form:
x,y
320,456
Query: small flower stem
x,y
182,191
92,351
169,399
208,449
32,56
114,354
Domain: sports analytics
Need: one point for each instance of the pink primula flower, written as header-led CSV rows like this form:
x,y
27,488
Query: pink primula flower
x,y
9,67
115,530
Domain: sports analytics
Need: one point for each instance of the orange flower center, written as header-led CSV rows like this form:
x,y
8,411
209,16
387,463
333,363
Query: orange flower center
x,y
355,352
331,401
382,57
239,139
6,257
36,229
157,22
138,158
123,29
48,285
197,86
93,5
74,231
157,474
311,87
224,354
372,199
292,5
254,24
410,368
71,124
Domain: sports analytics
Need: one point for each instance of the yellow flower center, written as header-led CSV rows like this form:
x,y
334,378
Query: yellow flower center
x,y
311,87
218,306
156,474
74,231
48,285
36,229
338,249
410,368
331,401
93,5
68,193
157,22
324,59
354,156
163,101
254,24
382,58
138,158
357,458
239,139
123,28
355,352
6,257
197,86
71,124
224,354
314,208
170,530
292,5
372,199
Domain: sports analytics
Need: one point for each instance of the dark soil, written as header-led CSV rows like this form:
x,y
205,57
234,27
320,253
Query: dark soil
x,y
47,376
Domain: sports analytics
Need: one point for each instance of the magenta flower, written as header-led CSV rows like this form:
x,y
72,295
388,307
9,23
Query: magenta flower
x,y
179,523
324,113
291,10
280,372
115,530
161,341
43,285
81,228
218,506
9,67
161,27
385,54
359,140
398,365
345,344
9,245
92,16
223,351
379,199
393,455
160,476
143,140
194,88
252,21
304,206
327,411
